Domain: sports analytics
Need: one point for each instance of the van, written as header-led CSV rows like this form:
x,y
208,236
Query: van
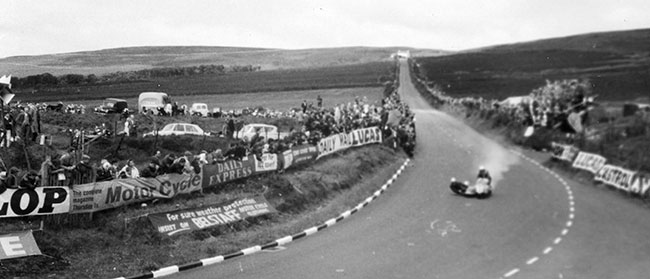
x,y
199,109
150,102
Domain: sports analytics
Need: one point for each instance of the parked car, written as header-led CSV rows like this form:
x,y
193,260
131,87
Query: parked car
x,y
112,105
263,130
199,109
178,129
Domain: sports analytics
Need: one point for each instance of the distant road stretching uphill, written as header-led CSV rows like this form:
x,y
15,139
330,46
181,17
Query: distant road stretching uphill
x,y
536,225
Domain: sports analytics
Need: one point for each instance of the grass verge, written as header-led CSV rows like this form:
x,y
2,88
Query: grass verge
x,y
122,241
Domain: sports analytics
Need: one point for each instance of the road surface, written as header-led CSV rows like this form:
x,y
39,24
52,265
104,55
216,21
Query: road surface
x,y
536,225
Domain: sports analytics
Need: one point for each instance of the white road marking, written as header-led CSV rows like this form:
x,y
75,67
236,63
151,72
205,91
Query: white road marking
x,y
511,272
532,261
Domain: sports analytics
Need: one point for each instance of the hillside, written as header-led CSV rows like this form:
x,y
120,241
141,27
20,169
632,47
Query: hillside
x,y
616,63
137,58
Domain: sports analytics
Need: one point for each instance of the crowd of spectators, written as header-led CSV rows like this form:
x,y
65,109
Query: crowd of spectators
x,y
560,105
316,122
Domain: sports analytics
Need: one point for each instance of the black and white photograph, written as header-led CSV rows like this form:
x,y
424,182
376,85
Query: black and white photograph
x,y
320,139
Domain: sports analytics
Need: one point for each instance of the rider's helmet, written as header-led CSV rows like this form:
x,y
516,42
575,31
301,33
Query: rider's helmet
x,y
482,172
453,179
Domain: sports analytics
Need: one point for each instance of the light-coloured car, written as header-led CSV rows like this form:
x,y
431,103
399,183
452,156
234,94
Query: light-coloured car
x,y
178,129
263,130
199,109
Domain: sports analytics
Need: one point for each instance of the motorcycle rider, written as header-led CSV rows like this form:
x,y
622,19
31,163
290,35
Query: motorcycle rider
x,y
483,182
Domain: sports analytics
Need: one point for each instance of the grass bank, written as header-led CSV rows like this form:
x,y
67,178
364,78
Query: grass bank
x,y
122,241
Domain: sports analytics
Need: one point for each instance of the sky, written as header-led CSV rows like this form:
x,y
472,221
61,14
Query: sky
x,y
34,27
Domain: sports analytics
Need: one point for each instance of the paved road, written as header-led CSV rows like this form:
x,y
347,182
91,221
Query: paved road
x,y
536,225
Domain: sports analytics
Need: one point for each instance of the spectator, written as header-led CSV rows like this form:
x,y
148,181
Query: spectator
x,y
152,170
12,178
129,171
3,182
167,162
29,179
237,151
46,168
106,171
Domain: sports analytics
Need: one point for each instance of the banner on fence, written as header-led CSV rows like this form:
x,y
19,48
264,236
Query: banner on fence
x,y
37,201
190,219
588,161
616,176
267,162
563,152
299,155
103,195
220,173
17,245
640,184
338,142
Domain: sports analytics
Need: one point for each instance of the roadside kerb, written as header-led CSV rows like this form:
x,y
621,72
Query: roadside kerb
x,y
278,242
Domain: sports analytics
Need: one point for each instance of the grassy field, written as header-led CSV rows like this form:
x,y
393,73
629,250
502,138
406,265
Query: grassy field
x,y
137,58
615,63
350,76
278,100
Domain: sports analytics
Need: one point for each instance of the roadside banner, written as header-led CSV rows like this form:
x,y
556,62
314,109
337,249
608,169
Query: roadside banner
x,y
640,184
17,245
342,141
616,176
287,159
563,152
298,155
198,218
268,162
589,161
103,195
38,201
221,173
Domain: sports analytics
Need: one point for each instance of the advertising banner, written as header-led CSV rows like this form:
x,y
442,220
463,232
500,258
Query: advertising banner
x,y
615,176
37,201
564,152
220,173
184,220
17,245
640,184
343,141
103,195
588,161
298,155
268,162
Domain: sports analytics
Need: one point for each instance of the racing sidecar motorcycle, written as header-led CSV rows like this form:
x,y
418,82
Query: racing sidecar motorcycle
x,y
480,190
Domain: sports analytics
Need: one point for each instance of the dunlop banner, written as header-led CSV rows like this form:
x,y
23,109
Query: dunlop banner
x,y
190,219
37,201
118,192
17,245
343,141
588,161
227,171
615,176
564,152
